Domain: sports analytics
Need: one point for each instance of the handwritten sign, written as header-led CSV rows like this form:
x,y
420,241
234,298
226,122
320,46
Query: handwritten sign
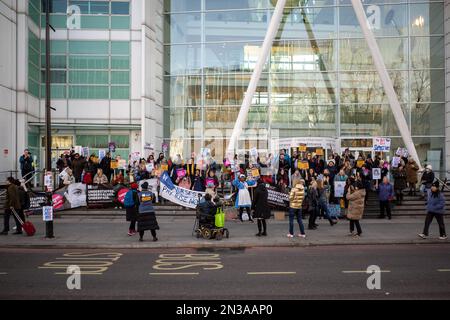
x,y
303,165
381,144
360,163
302,148
319,152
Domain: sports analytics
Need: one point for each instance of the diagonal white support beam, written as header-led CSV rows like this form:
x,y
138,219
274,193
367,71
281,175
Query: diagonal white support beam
x,y
267,45
385,80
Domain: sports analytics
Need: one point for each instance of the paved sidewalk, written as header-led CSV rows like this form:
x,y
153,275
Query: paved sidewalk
x,y
176,233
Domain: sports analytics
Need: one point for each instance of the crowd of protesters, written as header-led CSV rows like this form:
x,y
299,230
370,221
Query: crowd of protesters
x,y
307,177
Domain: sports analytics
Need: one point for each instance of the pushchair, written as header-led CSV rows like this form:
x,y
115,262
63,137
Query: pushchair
x,y
208,226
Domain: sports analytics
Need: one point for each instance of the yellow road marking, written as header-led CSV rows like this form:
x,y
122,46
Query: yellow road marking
x,y
175,274
270,273
365,271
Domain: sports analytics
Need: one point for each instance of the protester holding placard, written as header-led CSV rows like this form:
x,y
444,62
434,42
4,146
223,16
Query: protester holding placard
x,y
243,200
211,183
198,184
105,165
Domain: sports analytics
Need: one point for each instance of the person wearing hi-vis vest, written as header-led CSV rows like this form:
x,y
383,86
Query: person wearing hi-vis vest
x,y
243,200
146,218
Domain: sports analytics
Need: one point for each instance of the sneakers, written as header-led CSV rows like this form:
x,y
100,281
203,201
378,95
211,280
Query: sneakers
x,y
264,234
131,233
155,239
258,235
421,235
356,236
290,235
303,236
443,238
351,234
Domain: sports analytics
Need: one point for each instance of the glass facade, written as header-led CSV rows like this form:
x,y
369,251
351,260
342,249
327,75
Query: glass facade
x,y
320,80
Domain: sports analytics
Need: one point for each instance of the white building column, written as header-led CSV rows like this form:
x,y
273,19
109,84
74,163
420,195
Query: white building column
x,y
447,83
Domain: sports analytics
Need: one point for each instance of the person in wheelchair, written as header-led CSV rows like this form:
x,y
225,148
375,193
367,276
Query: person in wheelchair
x,y
207,211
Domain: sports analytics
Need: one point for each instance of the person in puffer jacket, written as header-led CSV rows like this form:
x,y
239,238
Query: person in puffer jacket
x,y
296,198
435,209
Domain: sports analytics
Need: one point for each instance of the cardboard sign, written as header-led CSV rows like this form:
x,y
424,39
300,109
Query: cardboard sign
x,y
402,152
303,165
302,148
101,154
319,152
360,163
376,173
122,164
255,173
254,152
48,182
114,164
165,167
85,152
149,167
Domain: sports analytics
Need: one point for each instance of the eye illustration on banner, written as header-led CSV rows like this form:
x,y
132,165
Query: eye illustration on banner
x,y
76,195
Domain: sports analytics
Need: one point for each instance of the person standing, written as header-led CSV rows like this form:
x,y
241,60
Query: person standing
x,y
295,209
411,176
132,206
105,165
385,196
426,181
26,165
261,207
313,199
355,197
243,200
78,165
146,218
100,178
435,209
400,177
323,191
12,202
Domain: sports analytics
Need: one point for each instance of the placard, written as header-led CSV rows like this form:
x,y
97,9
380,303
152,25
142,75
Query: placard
x,y
360,163
277,199
254,152
376,173
122,164
114,164
319,152
85,152
396,162
165,167
47,214
303,165
112,147
402,152
99,195
302,148
149,167
339,188
181,173
48,182
101,154
381,144
255,173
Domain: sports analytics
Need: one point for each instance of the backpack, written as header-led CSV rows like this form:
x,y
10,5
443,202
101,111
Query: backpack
x,y
24,199
129,199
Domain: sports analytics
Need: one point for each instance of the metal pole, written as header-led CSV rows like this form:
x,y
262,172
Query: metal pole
x,y
48,127
267,45
386,81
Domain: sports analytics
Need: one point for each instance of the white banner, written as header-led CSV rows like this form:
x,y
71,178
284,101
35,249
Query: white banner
x,y
183,197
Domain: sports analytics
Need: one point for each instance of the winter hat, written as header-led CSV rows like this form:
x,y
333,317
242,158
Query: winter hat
x,y
429,167
145,185
134,186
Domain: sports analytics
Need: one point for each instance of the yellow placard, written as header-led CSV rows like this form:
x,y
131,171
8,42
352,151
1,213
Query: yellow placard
x,y
319,152
164,167
255,173
114,164
360,163
303,165
302,148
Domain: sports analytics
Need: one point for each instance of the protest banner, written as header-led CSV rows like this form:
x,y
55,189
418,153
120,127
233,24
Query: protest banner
x,y
381,144
183,197
339,187
37,201
277,199
99,195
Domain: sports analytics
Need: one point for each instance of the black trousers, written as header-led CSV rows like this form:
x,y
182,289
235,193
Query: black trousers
x,y
241,211
141,233
132,225
6,217
313,217
262,226
440,220
354,223
399,196
385,206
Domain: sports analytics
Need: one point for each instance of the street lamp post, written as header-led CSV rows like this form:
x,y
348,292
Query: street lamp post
x,y
48,127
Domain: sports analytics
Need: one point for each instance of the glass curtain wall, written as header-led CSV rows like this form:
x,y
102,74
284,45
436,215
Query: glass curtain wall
x,y
320,80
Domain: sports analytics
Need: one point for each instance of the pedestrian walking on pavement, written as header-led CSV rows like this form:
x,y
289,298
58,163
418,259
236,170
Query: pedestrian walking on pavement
x,y
385,196
355,197
313,204
296,198
435,209
12,202
131,204
146,218
261,207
